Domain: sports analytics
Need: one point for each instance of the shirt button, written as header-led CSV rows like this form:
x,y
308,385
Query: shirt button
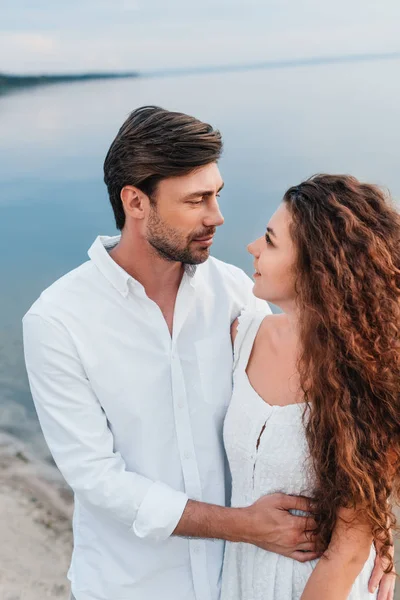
x,y
187,455
196,548
180,404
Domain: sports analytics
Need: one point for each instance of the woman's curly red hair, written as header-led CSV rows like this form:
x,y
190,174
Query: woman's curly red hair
x,y
347,236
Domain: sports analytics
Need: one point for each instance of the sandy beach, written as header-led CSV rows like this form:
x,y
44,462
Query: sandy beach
x,y
35,524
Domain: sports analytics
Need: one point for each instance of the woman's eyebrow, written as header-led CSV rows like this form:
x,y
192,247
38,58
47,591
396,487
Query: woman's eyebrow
x,y
271,231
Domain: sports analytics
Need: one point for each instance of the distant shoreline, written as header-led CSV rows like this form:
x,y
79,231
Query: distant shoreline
x,y
11,82
15,82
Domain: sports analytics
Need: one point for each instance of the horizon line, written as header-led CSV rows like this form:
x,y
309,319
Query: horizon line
x,y
176,71
275,64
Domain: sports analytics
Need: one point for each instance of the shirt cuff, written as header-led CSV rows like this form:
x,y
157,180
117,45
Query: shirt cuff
x,y
160,512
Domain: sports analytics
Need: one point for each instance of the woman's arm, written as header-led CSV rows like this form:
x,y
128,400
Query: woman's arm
x,y
334,575
385,581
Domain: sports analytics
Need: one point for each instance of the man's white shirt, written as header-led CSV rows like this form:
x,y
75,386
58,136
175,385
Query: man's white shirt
x,y
133,418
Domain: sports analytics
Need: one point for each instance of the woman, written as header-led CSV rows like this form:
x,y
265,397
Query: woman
x,y
316,402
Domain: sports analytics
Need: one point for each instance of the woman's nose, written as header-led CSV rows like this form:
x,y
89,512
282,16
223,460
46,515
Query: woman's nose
x,y
252,248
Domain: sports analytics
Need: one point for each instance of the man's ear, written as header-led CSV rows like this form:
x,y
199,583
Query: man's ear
x,y
134,201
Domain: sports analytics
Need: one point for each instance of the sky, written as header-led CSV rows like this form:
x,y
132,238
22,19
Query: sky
x,y
48,36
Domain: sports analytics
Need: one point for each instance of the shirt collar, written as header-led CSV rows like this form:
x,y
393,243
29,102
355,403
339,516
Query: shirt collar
x,y
116,275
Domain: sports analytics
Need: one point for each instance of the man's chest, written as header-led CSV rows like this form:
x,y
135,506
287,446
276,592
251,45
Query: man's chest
x,y
135,367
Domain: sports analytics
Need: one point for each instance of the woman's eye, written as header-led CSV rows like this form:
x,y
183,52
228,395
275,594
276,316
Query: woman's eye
x,y
268,239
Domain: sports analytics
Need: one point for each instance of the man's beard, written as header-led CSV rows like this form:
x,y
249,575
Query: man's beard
x,y
169,244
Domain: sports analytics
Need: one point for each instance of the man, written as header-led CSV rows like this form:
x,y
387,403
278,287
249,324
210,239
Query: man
x,y
129,360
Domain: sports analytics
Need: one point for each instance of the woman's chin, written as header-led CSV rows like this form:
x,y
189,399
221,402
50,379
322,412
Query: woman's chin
x,y
263,295
258,293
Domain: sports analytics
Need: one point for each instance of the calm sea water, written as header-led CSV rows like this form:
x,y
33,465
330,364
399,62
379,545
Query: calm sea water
x,y
279,127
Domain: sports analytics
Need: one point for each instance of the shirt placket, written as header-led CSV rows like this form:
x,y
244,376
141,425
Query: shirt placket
x,y
190,470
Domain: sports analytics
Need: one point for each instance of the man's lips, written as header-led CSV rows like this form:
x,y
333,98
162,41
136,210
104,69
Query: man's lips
x,y
205,241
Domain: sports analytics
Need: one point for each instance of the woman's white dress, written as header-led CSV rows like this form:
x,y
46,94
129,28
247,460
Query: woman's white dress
x,y
280,463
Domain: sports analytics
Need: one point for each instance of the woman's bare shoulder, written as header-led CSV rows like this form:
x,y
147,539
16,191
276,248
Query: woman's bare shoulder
x,y
273,323
269,324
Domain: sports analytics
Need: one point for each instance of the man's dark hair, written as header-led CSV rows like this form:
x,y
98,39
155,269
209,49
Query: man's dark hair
x,y
154,144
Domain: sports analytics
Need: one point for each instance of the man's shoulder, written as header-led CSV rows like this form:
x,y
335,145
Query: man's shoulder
x,y
229,272
226,280
234,283
68,288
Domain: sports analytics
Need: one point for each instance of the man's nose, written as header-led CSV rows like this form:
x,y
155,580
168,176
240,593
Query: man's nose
x,y
214,217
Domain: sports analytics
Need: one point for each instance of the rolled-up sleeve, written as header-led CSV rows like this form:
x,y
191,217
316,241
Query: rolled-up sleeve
x,y
76,430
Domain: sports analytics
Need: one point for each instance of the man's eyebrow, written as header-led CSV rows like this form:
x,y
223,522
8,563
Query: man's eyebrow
x,y
271,231
203,193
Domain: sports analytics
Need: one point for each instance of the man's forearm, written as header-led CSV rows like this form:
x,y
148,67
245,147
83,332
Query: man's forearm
x,y
267,524
215,522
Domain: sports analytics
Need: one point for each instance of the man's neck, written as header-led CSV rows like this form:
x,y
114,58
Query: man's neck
x,y
160,278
